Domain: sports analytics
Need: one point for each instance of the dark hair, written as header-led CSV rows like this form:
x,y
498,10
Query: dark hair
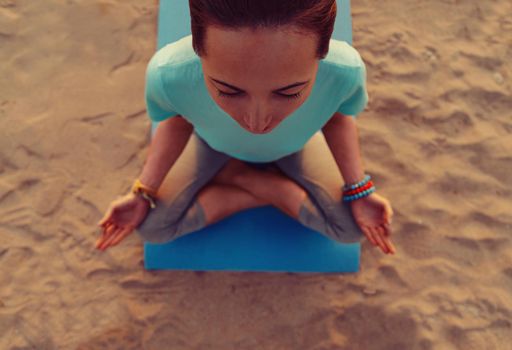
x,y
308,16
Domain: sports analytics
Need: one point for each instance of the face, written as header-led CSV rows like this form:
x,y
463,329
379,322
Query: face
x,y
259,77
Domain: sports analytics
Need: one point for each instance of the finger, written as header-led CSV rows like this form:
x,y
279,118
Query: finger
x,y
100,241
108,221
106,242
102,220
105,223
391,246
381,231
388,213
124,232
106,217
104,227
104,234
110,231
368,235
373,235
379,240
121,234
117,235
385,239
387,229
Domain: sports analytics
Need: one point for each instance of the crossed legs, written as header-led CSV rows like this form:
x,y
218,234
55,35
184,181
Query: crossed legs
x,y
205,186
238,186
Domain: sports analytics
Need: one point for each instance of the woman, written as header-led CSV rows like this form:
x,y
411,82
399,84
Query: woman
x,y
256,107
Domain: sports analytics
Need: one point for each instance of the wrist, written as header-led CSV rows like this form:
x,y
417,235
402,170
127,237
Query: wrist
x,y
140,198
145,192
361,189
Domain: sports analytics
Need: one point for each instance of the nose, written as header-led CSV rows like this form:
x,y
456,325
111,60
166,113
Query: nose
x,y
257,127
256,122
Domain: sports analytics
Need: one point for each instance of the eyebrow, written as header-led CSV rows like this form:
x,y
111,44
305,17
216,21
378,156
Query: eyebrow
x,y
277,90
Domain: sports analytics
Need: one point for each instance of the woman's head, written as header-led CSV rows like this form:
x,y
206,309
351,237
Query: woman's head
x,y
252,49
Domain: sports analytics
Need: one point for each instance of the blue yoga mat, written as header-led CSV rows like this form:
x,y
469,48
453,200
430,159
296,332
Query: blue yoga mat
x,y
257,239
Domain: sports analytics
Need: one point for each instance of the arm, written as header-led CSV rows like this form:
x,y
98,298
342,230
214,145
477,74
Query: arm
x,y
372,213
171,137
342,138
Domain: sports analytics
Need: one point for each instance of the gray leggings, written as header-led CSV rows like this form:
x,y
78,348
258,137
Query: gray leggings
x,y
178,212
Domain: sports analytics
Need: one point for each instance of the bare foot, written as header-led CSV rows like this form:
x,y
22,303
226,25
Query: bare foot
x,y
219,201
271,186
275,187
233,168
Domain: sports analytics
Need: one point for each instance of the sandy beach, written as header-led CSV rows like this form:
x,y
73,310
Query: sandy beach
x,y
436,137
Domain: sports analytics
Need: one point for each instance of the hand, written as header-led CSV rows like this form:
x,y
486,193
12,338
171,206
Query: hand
x,y
373,214
122,216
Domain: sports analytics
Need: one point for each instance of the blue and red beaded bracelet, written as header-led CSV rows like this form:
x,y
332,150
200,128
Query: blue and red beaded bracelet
x,y
363,188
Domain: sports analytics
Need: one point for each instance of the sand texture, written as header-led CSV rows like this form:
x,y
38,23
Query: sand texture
x,y
436,136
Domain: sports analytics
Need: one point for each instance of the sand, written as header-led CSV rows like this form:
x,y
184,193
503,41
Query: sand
x,y
436,137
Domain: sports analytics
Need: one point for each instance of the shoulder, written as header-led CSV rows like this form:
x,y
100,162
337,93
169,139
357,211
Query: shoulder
x,y
175,53
344,65
175,62
343,61
342,55
175,59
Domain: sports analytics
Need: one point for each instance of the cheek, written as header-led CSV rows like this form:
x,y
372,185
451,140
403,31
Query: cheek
x,y
228,107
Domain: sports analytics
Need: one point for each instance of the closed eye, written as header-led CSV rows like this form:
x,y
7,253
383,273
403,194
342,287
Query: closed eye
x,y
236,94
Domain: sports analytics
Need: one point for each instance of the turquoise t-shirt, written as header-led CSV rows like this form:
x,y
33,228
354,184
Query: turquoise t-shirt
x,y
175,86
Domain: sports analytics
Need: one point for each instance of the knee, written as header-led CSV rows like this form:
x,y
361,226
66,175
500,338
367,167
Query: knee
x,y
161,226
154,232
342,226
157,226
344,234
334,221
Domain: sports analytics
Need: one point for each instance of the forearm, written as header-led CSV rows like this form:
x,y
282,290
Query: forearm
x,y
343,140
167,144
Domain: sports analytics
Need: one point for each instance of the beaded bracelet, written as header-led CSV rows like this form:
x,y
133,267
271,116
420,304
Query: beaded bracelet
x,y
361,189
359,195
368,185
359,184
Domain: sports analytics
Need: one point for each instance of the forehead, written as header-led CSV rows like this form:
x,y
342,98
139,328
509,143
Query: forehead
x,y
283,50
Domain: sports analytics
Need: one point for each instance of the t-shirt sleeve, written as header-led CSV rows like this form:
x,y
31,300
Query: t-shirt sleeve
x,y
357,99
157,103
